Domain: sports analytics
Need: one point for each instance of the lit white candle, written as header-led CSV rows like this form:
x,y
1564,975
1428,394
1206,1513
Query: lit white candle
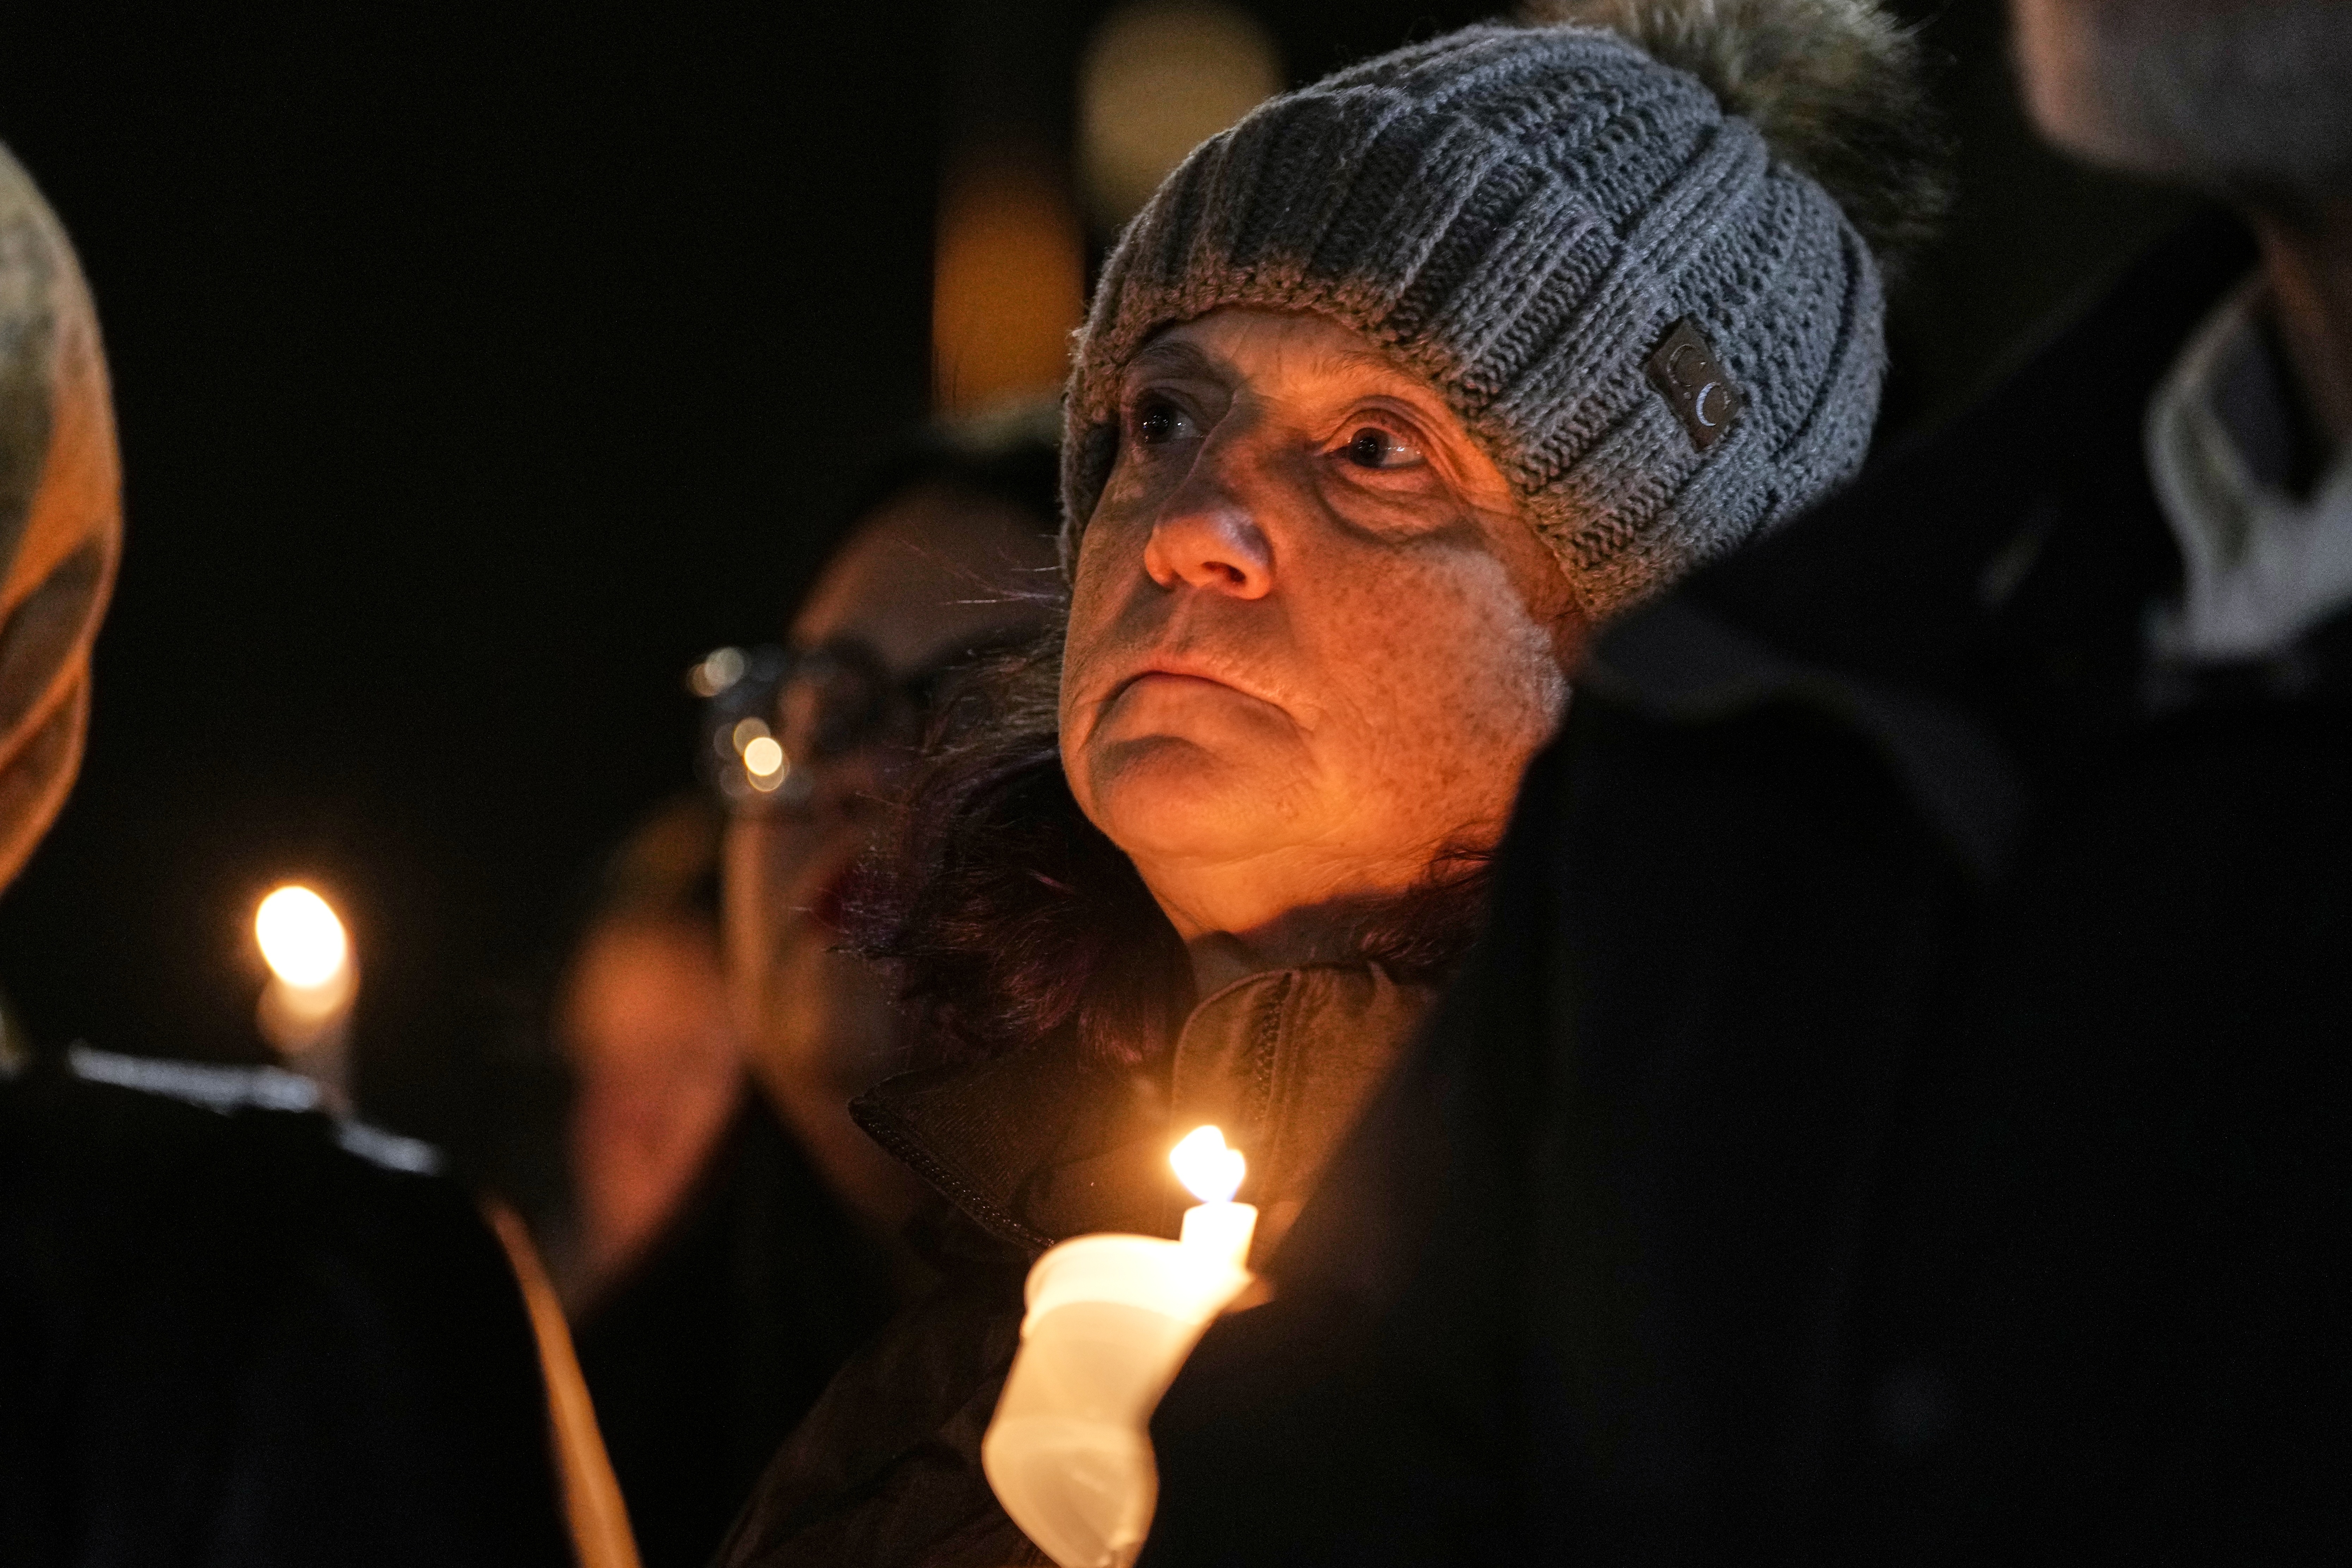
x,y
305,1008
1211,1173
1110,1319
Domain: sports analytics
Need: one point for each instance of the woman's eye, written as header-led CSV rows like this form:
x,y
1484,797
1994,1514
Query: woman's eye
x,y
1158,422
1373,448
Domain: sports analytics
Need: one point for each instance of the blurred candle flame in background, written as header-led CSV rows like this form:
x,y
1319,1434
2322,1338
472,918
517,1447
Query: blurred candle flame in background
x,y
306,1009
301,937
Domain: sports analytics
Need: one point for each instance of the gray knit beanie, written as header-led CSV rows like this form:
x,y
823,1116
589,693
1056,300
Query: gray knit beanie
x,y
1666,336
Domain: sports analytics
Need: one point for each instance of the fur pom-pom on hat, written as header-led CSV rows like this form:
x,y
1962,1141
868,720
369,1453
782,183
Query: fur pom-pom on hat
x,y
1836,87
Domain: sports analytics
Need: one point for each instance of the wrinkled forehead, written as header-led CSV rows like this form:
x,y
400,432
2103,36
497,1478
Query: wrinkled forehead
x,y
1236,346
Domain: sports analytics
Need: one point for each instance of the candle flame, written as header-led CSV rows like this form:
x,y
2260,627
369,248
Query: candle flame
x,y
1209,1170
300,937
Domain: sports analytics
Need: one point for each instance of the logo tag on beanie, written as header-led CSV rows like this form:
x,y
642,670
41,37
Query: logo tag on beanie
x,y
1683,370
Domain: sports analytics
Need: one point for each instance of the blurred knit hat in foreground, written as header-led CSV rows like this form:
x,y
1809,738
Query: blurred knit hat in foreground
x,y
61,514
1613,239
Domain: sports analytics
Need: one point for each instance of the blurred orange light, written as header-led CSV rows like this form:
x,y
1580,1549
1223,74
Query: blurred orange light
x,y
1008,288
1160,78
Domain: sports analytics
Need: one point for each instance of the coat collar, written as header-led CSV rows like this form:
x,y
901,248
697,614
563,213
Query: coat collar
x,y
1975,605
2020,541
1039,1145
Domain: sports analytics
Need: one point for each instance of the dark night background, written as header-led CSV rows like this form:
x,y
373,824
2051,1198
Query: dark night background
x,y
479,367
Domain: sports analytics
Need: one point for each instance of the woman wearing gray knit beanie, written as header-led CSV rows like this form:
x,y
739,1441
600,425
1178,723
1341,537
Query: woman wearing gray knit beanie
x,y
1390,393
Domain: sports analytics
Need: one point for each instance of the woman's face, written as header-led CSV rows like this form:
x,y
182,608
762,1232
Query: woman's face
x,y
1312,645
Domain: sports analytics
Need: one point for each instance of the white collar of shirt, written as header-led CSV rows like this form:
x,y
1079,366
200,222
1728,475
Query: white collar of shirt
x,y
2260,567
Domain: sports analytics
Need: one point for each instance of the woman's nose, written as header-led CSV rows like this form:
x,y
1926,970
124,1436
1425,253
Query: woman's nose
x,y
1207,535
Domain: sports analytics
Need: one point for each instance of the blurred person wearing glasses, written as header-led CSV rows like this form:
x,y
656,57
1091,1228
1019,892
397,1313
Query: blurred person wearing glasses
x,y
726,1249
945,563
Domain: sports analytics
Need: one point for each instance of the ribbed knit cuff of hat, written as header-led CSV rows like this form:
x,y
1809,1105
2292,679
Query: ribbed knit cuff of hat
x,y
1523,216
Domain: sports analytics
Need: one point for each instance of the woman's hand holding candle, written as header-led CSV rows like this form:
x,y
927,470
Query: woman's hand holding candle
x,y
1110,1319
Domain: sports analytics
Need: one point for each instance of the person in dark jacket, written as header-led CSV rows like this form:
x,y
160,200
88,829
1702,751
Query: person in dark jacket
x,y
232,1330
1899,1113
1393,392
740,1232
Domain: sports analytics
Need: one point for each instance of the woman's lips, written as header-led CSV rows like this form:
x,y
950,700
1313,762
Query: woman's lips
x,y
1172,676
1172,705
1179,670
1162,694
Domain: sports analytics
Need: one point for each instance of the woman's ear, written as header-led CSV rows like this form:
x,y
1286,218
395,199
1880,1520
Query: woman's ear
x,y
1572,637
1545,586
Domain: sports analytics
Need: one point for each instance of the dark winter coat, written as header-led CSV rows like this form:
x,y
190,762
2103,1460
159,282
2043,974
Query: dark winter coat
x,y
226,1340
1024,1151
708,1352
1900,1112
